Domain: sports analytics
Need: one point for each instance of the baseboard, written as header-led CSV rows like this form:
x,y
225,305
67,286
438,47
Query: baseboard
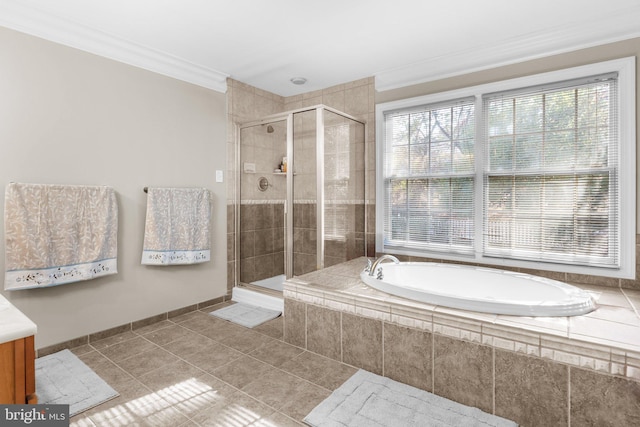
x,y
131,326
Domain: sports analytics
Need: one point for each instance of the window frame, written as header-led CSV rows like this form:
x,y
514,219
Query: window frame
x,y
626,98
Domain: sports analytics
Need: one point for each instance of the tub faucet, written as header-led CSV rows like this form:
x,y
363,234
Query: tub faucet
x,y
371,267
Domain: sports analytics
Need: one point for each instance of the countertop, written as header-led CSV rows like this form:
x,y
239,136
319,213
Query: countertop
x,y
13,323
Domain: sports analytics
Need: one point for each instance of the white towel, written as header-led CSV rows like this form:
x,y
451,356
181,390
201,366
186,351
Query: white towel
x,y
177,226
59,234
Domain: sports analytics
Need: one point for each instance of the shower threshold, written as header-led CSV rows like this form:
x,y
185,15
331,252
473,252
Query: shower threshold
x,y
258,296
276,283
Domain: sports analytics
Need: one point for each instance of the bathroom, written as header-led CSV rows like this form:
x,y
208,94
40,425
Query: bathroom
x,y
155,130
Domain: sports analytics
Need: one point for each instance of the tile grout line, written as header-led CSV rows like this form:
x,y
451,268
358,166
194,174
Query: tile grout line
x,y
493,394
137,333
117,364
243,354
568,396
633,306
433,359
383,348
206,372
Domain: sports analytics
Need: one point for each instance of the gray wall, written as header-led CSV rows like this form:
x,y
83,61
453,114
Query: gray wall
x,y
69,117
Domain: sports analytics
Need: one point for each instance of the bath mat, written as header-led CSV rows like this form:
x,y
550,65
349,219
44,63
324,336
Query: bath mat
x,y
62,378
245,314
368,399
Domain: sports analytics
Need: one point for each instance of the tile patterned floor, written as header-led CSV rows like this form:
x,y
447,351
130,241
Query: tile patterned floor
x,y
198,370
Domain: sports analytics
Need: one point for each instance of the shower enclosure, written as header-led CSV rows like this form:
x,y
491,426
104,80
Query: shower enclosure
x,y
300,195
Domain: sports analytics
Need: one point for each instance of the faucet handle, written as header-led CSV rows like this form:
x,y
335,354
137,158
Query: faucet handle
x,y
369,264
379,274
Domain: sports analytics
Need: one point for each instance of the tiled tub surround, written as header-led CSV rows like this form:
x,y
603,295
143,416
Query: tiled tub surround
x,y
542,371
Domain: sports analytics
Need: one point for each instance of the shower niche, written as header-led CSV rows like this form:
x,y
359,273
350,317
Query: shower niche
x,y
300,195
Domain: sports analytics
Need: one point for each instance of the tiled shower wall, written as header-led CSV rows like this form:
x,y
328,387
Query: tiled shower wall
x,y
337,250
261,241
357,99
353,245
305,234
246,103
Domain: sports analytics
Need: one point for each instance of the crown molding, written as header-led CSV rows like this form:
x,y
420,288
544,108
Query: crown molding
x,y
36,22
608,29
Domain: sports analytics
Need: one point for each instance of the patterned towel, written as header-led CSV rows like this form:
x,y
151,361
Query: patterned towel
x,y
59,234
177,226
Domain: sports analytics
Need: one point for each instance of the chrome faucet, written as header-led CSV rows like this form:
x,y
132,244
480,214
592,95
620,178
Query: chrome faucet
x,y
371,266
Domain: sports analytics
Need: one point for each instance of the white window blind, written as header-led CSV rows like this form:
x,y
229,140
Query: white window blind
x,y
429,177
551,173
536,172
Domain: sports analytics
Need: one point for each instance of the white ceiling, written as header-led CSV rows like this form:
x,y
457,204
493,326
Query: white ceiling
x,y
267,42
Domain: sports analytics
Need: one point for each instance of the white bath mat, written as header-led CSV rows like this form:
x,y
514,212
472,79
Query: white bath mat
x,y
63,379
368,399
245,314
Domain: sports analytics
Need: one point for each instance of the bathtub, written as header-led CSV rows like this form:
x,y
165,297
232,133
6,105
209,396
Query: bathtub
x,y
480,289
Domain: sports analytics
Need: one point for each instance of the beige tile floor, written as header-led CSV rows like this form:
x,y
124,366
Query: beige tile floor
x,y
198,370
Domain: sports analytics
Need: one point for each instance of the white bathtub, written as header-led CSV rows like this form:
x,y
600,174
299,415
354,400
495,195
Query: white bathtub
x,y
480,289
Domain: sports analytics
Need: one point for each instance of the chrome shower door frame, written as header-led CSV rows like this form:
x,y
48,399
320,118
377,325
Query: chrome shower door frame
x,y
289,202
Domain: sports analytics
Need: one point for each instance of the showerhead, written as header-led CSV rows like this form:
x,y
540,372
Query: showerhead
x,y
269,129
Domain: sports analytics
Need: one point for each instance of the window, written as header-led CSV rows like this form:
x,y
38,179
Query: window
x,y
535,172
429,177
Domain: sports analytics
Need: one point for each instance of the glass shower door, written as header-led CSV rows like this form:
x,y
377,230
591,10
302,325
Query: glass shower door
x,y
262,193
326,191
343,186
303,254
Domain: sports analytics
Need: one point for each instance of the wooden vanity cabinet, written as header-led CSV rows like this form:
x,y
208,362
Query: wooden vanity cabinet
x,y
18,372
